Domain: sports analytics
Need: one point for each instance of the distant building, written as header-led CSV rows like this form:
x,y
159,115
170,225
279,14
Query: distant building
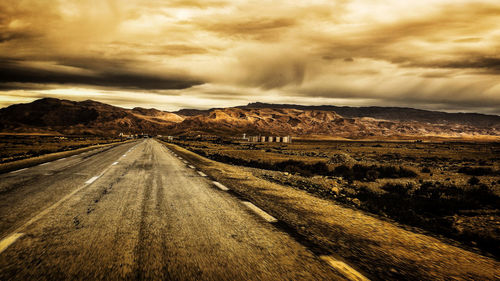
x,y
285,139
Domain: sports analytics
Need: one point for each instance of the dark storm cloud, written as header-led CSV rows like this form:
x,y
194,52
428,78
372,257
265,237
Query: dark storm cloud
x,y
17,73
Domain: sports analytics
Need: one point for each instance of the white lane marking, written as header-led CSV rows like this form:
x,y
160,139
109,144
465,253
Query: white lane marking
x,y
349,272
53,206
114,163
91,180
260,212
124,155
202,174
16,171
191,166
185,162
44,163
61,159
9,240
220,186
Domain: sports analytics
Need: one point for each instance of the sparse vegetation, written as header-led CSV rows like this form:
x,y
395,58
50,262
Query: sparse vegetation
x,y
478,171
17,147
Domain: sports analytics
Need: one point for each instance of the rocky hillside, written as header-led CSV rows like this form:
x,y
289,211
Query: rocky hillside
x,y
394,114
50,115
282,121
90,117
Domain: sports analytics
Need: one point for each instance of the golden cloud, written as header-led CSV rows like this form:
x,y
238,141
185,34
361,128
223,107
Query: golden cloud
x,y
439,53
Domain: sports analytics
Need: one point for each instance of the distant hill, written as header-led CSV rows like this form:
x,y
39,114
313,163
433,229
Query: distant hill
x,y
394,114
90,117
86,117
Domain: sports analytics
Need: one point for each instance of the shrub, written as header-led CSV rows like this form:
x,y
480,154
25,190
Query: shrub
x,y
425,170
473,181
373,172
476,171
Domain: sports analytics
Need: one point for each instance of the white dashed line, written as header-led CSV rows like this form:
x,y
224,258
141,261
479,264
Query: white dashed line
x,y
114,163
220,186
124,155
191,166
9,240
344,269
16,171
185,162
91,180
202,174
260,212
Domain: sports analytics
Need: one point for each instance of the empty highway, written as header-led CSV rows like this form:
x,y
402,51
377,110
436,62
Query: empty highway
x,y
135,211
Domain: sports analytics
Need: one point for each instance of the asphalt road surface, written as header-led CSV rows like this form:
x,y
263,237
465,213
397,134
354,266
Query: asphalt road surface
x,y
135,211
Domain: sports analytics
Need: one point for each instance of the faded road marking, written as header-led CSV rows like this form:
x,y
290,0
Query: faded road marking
x,y
260,212
349,272
16,171
44,163
9,240
220,186
61,159
202,174
91,180
55,205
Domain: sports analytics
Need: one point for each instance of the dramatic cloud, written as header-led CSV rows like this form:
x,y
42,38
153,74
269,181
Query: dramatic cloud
x,y
436,54
91,73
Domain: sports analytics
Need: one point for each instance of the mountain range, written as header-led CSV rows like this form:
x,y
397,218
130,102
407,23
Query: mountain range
x,y
55,116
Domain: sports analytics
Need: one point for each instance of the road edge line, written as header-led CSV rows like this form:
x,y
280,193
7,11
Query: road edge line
x,y
267,217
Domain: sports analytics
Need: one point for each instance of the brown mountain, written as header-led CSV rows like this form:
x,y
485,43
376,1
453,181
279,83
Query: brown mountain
x,y
87,117
281,121
90,117
393,114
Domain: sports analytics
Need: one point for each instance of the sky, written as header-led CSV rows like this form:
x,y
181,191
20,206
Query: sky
x,y
430,54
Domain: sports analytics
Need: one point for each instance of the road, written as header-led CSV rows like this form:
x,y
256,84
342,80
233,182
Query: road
x,y
137,212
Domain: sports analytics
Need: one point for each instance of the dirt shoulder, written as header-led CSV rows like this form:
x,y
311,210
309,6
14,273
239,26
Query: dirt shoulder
x,y
380,248
29,162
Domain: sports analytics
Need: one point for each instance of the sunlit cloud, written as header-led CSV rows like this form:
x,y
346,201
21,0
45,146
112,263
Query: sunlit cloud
x,y
436,54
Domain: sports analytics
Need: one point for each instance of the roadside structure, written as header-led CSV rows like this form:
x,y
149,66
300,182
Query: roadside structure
x,y
260,138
